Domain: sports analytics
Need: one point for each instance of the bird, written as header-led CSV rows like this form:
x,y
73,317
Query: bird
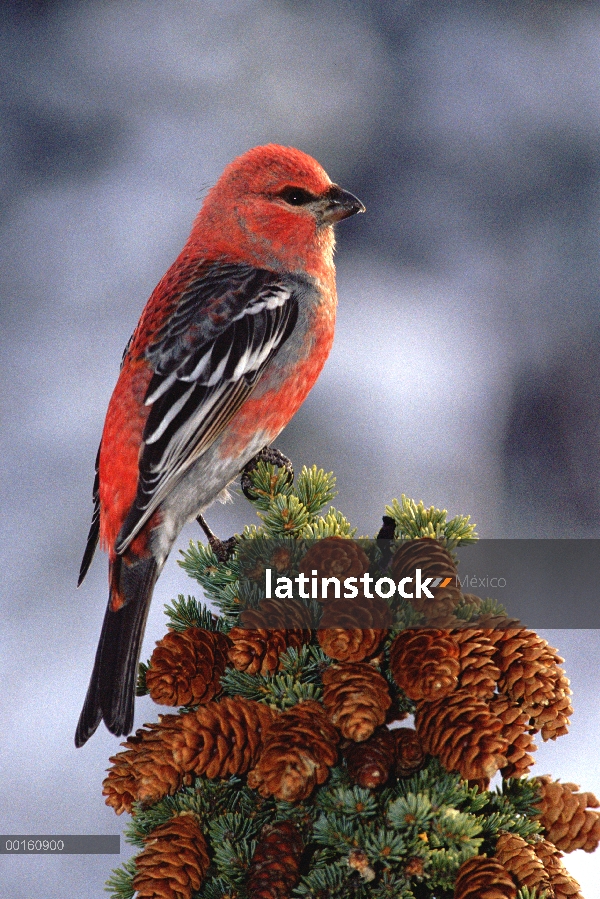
x,y
227,348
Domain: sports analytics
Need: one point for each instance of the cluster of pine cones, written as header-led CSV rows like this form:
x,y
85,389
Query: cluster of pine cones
x,y
481,691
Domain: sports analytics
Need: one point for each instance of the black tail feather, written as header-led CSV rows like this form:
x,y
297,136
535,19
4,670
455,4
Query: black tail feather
x,y
111,693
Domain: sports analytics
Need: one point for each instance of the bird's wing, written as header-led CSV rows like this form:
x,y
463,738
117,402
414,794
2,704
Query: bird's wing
x,y
94,532
228,325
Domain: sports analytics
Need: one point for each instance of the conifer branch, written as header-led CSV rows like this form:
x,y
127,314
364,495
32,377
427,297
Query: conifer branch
x,y
386,814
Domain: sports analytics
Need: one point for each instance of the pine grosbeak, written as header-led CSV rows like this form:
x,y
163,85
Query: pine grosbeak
x,y
230,343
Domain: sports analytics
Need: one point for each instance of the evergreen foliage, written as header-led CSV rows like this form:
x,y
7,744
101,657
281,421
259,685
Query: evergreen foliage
x,y
413,520
414,831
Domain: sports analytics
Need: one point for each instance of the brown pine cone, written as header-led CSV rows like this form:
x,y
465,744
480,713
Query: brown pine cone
x,y
299,749
351,630
369,763
275,867
478,672
338,557
185,667
518,858
563,885
356,698
146,770
257,651
410,755
278,558
568,817
518,733
222,738
424,663
174,861
553,719
530,675
434,561
483,878
279,615
464,734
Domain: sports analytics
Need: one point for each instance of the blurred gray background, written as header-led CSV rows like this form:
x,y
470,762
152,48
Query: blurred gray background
x,y
466,368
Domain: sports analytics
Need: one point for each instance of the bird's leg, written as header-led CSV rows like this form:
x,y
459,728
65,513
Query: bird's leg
x,y
267,454
223,549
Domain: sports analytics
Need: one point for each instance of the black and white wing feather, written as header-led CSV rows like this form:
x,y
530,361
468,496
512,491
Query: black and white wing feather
x,y
229,324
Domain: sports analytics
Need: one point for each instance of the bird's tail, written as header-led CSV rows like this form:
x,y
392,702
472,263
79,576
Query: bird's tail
x,y
111,693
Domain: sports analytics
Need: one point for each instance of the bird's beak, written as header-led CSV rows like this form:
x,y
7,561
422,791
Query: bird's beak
x,y
337,204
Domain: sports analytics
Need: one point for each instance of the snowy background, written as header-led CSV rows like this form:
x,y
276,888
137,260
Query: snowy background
x,y
466,368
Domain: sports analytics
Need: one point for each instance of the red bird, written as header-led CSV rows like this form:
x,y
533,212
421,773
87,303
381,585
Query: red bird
x,y
230,343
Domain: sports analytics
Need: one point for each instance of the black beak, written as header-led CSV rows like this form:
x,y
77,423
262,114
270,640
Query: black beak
x,y
338,204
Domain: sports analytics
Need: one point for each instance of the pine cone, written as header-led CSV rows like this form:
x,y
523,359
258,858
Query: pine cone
x,y
563,885
568,817
356,697
299,749
338,557
279,614
553,720
222,738
257,651
483,878
369,763
410,755
464,734
145,771
174,861
277,557
275,866
351,630
424,663
517,731
434,561
478,672
518,858
185,667
530,675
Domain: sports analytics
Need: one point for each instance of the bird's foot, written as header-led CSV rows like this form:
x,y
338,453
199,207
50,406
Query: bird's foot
x,y
223,549
388,529
267,454
386,534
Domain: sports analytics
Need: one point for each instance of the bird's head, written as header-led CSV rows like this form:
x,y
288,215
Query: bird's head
x,y
274,206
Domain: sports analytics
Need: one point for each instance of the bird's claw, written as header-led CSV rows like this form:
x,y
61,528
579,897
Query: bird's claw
x,y
223,549
273,457
386,535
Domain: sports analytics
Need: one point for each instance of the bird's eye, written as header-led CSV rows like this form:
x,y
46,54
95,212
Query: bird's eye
x,y
296,196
